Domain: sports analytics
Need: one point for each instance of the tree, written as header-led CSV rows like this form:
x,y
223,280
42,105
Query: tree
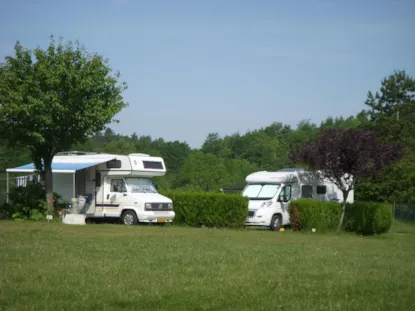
x,y
392,116
344,156
203,172
213,144
392,111
54,98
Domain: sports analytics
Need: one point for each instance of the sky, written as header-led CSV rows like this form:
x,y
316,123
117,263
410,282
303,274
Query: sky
x,y
195,67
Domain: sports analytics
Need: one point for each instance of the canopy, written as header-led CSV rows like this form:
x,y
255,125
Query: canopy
x,y
66,164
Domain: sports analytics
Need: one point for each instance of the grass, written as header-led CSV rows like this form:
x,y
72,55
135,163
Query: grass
x,y
114,267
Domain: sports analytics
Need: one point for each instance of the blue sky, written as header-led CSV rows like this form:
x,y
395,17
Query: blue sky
x,y
201,66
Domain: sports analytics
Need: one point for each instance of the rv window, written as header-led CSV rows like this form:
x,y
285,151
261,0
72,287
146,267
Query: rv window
x,y
285,193
261,192
114,164
321,189
306,191
118,185
97,179
153,165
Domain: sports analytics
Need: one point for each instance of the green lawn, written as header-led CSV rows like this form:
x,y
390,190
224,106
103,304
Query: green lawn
x,y
114,267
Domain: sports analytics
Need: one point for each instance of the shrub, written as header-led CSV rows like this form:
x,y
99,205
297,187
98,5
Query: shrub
x,y
6,210
306,214
198,209
29,202
368,218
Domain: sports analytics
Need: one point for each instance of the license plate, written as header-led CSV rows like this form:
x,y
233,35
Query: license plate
x,y
161,220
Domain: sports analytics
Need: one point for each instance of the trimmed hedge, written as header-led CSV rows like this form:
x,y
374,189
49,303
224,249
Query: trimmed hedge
x,y
198,209
306,214
360,217
368,217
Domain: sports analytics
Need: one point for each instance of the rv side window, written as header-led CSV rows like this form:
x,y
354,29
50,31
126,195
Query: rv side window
x,y
306,191
285,193
321,189
118,185
114,164
97,179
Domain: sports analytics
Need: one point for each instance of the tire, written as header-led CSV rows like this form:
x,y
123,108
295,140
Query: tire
x,y
129,218
276,223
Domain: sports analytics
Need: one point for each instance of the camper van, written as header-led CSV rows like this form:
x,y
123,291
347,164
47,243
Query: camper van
x,y
270,193
112,186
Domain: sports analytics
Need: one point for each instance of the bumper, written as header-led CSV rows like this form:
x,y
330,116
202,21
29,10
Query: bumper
x,y
256,221
156,217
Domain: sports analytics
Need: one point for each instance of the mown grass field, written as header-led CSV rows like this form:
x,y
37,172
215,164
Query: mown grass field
x,y
114,267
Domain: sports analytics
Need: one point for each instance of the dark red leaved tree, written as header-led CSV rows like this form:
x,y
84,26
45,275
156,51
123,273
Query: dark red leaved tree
x,y
346,155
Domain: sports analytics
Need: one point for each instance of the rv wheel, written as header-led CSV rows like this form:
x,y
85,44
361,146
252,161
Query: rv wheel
x,y
129,218
276,222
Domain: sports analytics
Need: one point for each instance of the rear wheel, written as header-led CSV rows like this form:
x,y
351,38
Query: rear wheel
x,y
129,218
276,223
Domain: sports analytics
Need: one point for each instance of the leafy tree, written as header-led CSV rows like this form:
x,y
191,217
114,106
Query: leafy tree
x,y
213,144
392,116
392,111
54,98
345,156
203,172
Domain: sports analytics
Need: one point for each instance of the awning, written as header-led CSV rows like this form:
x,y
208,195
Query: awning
x,y
66,164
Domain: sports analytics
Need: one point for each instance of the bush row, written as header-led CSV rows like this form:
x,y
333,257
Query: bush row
x,y
26,203
368,217
198,209
306,214
360,217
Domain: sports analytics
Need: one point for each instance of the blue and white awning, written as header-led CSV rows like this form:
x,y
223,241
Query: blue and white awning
x,y
67,164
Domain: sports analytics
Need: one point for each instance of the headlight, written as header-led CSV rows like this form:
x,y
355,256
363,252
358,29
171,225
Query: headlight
x,y
266,204
170,206
147,207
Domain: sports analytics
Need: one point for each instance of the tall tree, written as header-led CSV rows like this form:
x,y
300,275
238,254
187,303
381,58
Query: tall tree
x,y
392,110
54,98
344,156
392,116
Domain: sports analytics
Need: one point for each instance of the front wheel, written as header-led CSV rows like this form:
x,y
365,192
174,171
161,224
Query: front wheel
x,y
129,218
276,223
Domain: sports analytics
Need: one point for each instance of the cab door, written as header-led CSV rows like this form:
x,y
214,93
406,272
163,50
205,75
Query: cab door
x,y
115,196
284,199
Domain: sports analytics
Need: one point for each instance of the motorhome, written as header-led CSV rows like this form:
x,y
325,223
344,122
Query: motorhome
x,y
270,194
113,185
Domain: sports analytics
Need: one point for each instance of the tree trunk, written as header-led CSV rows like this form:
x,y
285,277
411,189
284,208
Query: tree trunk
x,y
345,195
49,184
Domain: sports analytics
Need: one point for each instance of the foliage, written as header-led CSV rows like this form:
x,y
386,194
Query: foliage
x,y
360,217
345,156
29,202
405,212
51,99
308,214
198,209
368,218
391,115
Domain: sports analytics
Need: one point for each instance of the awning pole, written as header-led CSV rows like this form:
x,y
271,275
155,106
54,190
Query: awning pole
x,y
73,184
7,187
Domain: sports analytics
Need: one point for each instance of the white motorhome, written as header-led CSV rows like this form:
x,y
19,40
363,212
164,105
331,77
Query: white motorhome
x,y
114,185
270,193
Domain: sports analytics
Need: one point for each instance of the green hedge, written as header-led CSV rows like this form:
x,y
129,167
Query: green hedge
x,y
198,209
306,214
368,218
360,217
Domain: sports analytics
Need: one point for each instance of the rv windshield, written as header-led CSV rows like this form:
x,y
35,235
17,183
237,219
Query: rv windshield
x,y
261,192
140,185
